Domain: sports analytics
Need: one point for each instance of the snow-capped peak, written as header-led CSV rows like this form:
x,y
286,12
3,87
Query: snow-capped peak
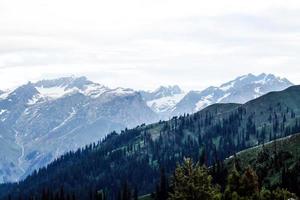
x,y
164,98
64,82
164,91
267,78
249,79
53,89
164,104
121,91
60,87
73,111
239,90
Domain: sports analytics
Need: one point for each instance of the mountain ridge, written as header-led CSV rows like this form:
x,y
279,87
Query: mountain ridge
x,y
239,90
44,116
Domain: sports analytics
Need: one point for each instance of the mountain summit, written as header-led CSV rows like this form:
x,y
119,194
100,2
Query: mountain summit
x,y
239,90
163,99
40,121
162,91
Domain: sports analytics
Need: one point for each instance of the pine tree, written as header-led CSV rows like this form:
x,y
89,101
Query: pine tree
x,y
126,193
135,194
192,182
249,183
162,188
233,184
202,159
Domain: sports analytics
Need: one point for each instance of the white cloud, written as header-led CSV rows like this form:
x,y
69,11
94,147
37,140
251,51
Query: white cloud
x,y
143,44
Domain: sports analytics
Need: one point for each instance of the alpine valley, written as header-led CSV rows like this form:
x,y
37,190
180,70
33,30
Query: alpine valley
x,y
43,120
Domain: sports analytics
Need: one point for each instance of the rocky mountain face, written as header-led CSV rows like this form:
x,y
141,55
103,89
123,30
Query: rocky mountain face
x,y
41,121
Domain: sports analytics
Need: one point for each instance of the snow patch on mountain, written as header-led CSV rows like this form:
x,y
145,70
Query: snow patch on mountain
x,y
122,91
2,111
53,92
206,101
223,97
71,115
58,88
167,91
35,99
94,90
165,103
164,99
4,95
227,86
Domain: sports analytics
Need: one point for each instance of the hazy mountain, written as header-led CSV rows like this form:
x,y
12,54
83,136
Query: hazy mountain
x,y
40,121
163,99
172,101
136,155
162,91
240,90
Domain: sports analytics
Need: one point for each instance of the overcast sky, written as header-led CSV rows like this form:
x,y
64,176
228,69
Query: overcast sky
x,y
142,44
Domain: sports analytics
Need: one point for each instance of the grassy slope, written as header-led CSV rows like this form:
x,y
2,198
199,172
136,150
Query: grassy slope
x,y
287,146
248,157
290,144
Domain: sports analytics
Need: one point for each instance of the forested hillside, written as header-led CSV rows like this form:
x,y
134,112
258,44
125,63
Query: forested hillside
x,y
277,164
267,172
135,156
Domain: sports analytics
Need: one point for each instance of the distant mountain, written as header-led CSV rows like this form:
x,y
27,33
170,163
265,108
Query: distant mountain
x,y
161,92
240,90
41,121
163,99
137,155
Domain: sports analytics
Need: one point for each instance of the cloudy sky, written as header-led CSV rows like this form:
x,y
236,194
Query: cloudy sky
x,y
146,43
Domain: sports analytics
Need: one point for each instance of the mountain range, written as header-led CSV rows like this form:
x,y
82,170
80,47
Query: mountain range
x,y
41,121
239,90
213,134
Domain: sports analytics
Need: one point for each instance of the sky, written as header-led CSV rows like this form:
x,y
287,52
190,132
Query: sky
x,y
142,44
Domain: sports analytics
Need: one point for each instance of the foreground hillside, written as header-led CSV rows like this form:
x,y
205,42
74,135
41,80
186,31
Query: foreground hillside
x,y
136,156
267,172
276,163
